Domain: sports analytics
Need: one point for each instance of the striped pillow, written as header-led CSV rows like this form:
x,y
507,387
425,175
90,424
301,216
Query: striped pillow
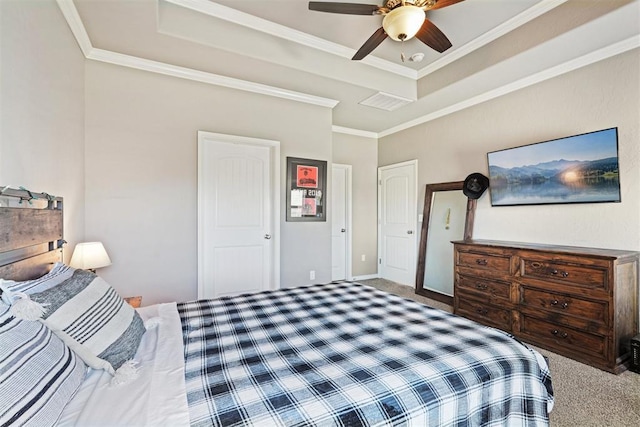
x,y
39,374
92,319
57,275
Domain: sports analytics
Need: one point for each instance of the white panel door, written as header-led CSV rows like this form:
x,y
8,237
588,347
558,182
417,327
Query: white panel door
x,y
236,235
397,222
340,222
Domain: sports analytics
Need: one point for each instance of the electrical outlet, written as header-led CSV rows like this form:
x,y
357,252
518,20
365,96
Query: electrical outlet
x,y
364,257
312,275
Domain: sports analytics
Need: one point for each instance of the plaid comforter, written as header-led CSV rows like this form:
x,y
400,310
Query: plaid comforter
x,y
349,355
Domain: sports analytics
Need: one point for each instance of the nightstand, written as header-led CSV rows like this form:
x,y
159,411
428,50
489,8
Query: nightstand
x,y
134,301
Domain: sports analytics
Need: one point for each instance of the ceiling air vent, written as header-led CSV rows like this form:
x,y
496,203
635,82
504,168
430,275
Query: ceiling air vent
x,y
385,101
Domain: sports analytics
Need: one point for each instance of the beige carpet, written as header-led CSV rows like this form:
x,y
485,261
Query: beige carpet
x,y
584,396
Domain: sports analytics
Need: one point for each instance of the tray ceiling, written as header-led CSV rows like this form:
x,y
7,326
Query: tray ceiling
x,y
280,48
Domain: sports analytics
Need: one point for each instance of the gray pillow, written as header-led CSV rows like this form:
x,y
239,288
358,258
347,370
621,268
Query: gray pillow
x,y
92,319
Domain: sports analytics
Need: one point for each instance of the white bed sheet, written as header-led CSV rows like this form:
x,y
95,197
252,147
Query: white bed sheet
x,y
156,397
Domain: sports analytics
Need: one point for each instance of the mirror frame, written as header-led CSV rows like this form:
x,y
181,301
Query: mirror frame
x,y
424,233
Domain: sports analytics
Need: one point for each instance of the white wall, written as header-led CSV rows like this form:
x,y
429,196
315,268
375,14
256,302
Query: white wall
x,y
42,107
141,175
602,95
362,154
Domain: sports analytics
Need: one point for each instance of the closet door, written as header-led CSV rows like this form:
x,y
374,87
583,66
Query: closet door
x,y
340,222
397,222
236,232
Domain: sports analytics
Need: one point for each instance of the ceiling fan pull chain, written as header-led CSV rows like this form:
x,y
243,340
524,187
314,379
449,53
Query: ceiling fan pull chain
x,y
402,56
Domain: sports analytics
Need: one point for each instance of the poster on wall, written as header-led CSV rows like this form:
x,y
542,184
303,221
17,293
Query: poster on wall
x,y
306,189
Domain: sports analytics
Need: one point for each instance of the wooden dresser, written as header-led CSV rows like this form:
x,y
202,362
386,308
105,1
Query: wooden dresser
x,y
578,302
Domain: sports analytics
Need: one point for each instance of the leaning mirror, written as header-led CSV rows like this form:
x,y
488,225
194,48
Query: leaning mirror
x,y
448,215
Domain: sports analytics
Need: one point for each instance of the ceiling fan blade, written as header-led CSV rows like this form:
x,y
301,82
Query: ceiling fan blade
x,y
347,8
444,3
372,43
431,35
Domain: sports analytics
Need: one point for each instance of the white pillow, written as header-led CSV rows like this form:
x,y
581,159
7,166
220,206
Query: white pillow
x,y
39,374
87,314
57,275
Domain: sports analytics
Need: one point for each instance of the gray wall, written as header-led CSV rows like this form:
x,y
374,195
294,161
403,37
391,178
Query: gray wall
x,y
602,95
134,134
138,193
362,154
141,175
42,107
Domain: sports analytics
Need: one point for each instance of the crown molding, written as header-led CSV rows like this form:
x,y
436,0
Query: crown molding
x,y
77,28
528,15
255,23
219,11
204,77
356,132
74,21
582,61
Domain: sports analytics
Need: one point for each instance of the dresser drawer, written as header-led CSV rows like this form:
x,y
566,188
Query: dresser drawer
x,y
564,272
477,260
586,311
578,302
486,289
562,338
484,313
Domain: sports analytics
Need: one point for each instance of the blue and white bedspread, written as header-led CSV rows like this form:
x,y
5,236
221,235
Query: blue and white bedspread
x,y
349,355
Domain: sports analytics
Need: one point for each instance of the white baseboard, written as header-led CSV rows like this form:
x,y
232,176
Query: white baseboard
x,y
365,277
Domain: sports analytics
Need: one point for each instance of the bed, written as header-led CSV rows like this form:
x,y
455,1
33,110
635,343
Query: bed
x,y
338,354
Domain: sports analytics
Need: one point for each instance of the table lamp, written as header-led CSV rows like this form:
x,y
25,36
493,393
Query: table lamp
x,y
89,256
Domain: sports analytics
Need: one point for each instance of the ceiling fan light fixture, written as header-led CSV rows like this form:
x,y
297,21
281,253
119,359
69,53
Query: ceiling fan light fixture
x,y
403,23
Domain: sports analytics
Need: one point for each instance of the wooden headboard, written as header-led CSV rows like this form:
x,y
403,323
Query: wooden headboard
x,y
30,233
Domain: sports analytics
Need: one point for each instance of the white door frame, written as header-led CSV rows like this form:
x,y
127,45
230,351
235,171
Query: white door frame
x,y
380,170
349,209
274,154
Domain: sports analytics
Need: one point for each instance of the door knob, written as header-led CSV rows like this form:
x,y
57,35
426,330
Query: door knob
x,y
409,231
267,236
343,230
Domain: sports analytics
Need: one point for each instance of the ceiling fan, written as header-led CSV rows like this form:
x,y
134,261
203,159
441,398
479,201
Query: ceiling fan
x,y
403,19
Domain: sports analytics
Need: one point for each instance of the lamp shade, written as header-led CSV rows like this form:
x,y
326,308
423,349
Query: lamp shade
x,y
89,256
403,22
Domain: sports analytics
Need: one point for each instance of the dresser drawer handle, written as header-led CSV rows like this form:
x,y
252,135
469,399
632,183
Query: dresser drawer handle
x,y
481,286
481,261
563,305
560,334
562,273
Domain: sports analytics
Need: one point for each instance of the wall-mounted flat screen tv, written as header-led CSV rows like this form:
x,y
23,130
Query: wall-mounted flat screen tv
x,y
576,169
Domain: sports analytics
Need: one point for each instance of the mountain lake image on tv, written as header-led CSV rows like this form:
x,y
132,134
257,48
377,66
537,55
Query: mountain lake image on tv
x,y
576,169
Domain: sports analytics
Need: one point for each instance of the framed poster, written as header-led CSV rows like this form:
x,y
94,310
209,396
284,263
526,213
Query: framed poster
x,y
306,190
